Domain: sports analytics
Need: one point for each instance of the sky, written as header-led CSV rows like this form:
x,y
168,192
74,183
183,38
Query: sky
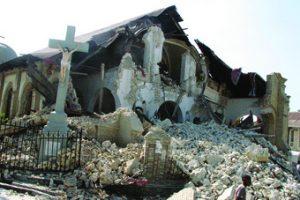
x,y
261,36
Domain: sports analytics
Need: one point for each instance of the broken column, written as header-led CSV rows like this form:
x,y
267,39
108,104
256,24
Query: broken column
x,y
188,72
157,154
153,40
126,88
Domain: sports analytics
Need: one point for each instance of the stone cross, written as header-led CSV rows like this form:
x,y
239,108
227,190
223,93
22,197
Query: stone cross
x,y
55,132
69,42
58,118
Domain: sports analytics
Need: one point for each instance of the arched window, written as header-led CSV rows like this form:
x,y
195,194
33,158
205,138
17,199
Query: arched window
x,y
8,103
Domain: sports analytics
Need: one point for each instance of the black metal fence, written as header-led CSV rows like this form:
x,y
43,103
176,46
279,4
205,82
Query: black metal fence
x,y
27,147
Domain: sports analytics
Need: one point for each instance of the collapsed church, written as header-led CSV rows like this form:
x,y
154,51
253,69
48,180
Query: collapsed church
x,y
147,62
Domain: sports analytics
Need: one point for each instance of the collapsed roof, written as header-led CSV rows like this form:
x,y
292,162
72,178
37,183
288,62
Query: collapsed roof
x,y
108,45
167,19
220,72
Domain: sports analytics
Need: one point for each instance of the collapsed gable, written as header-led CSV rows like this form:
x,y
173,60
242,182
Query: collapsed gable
x,y
220,72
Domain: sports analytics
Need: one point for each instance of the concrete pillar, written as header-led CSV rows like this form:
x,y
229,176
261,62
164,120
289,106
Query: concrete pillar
x,y
125,83
188,72
153,40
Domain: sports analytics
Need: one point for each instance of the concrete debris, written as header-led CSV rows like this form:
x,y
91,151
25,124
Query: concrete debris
x,y
106,164
121,126
212,156
227,194
186,193
257,153
132,167
37,118
215,156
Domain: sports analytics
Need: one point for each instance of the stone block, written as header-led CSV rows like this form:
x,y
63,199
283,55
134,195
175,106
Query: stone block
x,y
131,128
227,194
198,175
214,159
186,194
257,153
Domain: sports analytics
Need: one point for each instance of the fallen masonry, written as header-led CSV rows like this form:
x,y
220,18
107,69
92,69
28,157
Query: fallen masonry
x,y
215,156
203,161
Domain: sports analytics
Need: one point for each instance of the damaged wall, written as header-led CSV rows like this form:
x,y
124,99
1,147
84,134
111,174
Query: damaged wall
x,y
275,109
151,60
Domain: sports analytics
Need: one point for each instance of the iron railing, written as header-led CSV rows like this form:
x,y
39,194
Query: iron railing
x,y
21,149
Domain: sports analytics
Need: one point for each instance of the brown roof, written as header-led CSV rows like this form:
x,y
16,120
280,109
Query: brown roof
x,y
294,119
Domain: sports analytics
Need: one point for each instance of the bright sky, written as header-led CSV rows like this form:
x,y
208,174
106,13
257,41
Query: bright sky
x,y
259,36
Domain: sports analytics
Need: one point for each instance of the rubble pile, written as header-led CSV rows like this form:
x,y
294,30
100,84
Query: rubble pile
x,y
121,126
88,123
65,159
215,156
106,164
38,118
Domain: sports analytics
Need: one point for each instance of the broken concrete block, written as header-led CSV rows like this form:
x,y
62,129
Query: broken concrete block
x,y
274,195
206,182
106,177
94,177
106,144
131,128
70,181
186,194
226,180
132,166
193,164
257,153
115,163
166,123
198,175
214,159
227,194
278,172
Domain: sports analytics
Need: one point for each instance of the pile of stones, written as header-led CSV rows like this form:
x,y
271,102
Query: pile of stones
x,y
215,156
106,164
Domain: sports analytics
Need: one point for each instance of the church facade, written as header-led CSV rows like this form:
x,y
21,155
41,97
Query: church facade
x,y
147,62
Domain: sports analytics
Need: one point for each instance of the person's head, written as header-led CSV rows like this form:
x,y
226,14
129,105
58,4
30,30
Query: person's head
x,y
246,180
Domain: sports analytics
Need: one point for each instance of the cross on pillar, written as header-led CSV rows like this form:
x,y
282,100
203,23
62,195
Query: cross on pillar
x,y
57,125
59,117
